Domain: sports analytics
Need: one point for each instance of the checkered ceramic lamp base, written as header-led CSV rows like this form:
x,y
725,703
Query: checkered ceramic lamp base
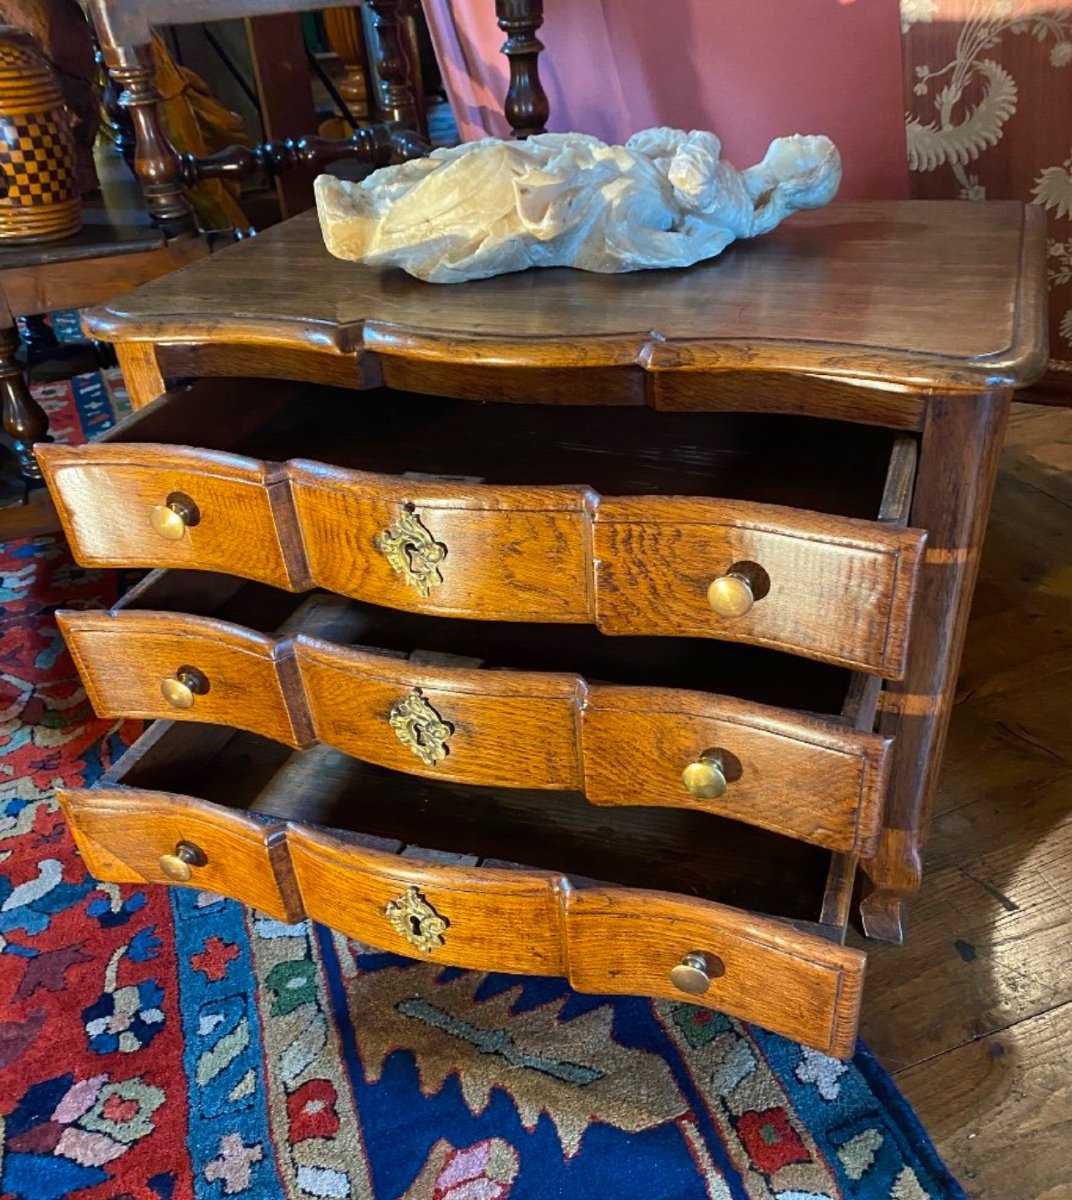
x,y
40,199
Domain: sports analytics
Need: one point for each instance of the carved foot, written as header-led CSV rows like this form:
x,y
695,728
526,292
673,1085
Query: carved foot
x,y
882,915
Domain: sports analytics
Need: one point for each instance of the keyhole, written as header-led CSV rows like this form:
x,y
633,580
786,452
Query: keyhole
x,y
415,926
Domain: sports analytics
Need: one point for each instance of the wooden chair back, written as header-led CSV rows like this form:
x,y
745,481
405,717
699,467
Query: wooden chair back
x,y
124,31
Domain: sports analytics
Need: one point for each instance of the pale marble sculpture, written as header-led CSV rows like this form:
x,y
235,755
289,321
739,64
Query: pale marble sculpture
x,y
664,199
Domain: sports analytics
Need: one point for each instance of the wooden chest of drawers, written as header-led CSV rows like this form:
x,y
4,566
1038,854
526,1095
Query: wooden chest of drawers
x,y
600,627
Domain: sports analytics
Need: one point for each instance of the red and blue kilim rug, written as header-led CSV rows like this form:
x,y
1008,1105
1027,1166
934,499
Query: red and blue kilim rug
x,y
160,1045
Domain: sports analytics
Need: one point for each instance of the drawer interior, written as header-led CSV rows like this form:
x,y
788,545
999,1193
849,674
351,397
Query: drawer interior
x,y
825,466
688,853
705,665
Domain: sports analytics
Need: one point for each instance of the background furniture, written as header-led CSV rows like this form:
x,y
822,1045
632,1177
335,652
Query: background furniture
x,y
129,237
124,33
116,249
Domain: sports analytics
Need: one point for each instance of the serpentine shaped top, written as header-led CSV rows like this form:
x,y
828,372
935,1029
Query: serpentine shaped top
x,y
664,199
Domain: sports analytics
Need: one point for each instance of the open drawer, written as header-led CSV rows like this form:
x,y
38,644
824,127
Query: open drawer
x,y
628,722
651,902
755,528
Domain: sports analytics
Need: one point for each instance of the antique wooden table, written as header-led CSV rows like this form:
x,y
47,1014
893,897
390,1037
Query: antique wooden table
x,y
556,623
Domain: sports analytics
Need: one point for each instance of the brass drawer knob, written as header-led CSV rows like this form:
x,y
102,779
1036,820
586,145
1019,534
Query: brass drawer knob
x,y
695,972
172,518
734,593
181,688
706,778
179,866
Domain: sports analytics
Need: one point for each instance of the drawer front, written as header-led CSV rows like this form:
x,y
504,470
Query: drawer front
x,y
803,777
604,939
797,775
509,553
131,836
152,664
832,588
486,920
507,728
168,506
758,970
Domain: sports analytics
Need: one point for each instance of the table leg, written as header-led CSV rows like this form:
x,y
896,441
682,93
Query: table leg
x,y
24,420
959,452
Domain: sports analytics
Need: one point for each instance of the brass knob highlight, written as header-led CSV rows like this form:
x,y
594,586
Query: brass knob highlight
x,y
731,595
695,972
183,687
172,518
179,866
706,778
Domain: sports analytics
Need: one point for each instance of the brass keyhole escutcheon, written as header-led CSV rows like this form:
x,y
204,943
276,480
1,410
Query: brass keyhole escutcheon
x,y
734,593
412,917
412,552
706,777
183,687
172,518
695,972
420,728
179,866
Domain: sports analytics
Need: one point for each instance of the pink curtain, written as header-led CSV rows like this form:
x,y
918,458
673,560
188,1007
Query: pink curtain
x,y
750,70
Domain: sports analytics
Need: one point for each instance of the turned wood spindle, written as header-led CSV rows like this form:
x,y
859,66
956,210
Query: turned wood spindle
x,y
526,104
392,61
24,419
345,36
156,161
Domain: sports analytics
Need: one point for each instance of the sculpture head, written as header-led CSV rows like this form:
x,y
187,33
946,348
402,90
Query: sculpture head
x,y
796,173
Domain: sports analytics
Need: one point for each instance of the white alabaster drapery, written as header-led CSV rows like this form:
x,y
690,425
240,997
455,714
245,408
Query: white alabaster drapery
x,y
665,199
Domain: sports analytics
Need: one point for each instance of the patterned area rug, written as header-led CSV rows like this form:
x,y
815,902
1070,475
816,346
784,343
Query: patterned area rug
x,y
161,1045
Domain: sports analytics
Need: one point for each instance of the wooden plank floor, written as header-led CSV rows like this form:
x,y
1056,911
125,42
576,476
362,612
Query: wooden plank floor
x,y
973,1015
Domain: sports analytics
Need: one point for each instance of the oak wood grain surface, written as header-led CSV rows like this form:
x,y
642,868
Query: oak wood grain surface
x,y
507,728
603,940
861,290
823,783
785,982
788,772
840,588
958,463
105,496
499,920
837,590
513,553
123,832
514,920
251,678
